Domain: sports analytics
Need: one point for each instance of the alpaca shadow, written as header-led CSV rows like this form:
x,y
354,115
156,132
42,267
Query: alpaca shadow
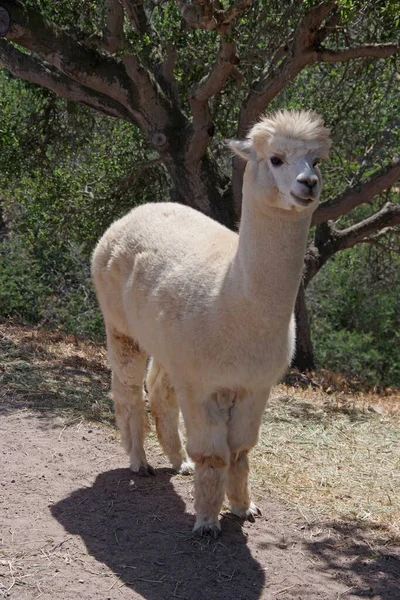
x,y
139,528
371,570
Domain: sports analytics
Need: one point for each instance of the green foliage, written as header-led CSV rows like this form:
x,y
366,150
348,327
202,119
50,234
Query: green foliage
x,y
38,285
355,315
22,290
83,16
65,174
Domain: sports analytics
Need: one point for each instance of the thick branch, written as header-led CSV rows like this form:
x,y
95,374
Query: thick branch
x,y
168,65
212,83
199,14
208,87
235,11
137,16
330,27
31,69
359,194
143,26
209,14
299,55
388,216
115,25
329,240
88,67
369,50
304,50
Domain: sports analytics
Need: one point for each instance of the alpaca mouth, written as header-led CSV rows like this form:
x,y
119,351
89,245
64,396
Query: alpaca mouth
x,y
302,201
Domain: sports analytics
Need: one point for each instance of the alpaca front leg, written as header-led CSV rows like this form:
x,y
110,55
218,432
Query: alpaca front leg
x,y
238,487
210,485
206,426
244,425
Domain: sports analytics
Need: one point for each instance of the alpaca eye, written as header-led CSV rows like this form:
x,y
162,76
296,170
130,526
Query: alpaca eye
x,y
276,161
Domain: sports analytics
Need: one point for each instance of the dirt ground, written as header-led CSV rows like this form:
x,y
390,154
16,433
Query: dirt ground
x,y
75,523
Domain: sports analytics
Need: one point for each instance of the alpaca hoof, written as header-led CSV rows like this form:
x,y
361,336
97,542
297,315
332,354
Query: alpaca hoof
x,y
203,528
248,514
252,512
211,530
186,468
146,471
143,470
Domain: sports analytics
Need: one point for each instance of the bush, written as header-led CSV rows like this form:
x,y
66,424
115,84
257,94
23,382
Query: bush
x,y
355,315
55,291
22,288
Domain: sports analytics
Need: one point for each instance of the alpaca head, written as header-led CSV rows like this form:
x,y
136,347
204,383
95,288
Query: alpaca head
x,y
282,152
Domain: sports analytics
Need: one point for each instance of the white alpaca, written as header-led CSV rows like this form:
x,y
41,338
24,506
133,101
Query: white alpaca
x,y
214,308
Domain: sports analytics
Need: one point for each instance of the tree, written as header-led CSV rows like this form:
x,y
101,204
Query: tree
x,y
187,73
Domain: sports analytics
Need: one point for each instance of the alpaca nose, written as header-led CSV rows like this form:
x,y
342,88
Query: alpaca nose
x,y
309,180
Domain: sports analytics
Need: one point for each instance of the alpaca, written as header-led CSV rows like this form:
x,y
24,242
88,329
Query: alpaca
x,y
214,309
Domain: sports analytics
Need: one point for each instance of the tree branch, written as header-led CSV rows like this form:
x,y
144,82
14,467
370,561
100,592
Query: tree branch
x,y
388,216
137,16
209,86
199,14
209,14
359,194
330,27
328,240
168,65
235,11
31,69
369,50
303,50
375,240
87,66
114,37
142,25
298,55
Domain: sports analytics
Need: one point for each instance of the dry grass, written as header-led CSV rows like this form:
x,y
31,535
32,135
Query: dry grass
x,y
333,455
49,371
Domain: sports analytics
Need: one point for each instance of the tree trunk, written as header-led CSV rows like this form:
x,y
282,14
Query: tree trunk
x,y
304,359
202,186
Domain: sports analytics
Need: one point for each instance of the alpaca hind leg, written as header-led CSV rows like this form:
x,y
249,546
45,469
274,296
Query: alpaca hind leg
x,y
206,427
165,410
128,363
244,425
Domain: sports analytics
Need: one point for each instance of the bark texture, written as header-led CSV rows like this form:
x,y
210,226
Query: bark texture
x,y
304,358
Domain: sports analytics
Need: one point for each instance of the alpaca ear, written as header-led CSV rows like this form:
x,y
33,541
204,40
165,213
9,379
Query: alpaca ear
x,y
243,148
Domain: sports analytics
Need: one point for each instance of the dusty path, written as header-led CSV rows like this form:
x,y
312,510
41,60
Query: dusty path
x,y
76,524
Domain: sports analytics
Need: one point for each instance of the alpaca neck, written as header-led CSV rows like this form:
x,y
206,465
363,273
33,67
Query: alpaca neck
x,y
268,264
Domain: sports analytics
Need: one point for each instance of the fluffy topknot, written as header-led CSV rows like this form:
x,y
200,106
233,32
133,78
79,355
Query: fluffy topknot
x,y
291,127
